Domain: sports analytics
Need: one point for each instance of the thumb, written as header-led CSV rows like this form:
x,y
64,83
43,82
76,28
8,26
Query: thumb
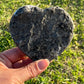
x,y
32,70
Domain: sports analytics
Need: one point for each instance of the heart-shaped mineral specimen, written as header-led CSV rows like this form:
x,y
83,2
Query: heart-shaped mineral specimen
x,y
41,33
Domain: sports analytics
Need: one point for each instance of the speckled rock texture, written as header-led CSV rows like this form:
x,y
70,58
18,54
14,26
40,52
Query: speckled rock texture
x,y
41,33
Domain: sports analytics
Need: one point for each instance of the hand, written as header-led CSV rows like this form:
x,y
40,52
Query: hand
x,y
16,68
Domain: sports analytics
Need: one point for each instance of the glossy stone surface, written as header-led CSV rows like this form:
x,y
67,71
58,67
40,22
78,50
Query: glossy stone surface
x,y
41,33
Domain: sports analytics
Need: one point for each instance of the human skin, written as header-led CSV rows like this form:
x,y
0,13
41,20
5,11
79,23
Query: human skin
x,y
16,68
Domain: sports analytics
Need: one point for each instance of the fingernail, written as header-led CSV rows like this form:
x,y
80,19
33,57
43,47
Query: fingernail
x,y
42,64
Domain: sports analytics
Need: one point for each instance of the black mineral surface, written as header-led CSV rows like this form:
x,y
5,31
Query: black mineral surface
x,y
41,33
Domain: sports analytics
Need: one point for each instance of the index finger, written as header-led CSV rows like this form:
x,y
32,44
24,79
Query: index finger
x,y
14,54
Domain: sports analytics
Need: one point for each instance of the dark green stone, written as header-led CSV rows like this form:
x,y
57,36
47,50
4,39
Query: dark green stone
x,y
41,33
